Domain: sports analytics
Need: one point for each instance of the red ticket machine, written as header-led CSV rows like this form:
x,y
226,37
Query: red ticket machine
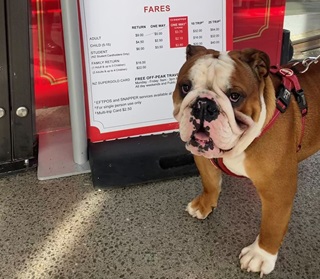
x,y
259,24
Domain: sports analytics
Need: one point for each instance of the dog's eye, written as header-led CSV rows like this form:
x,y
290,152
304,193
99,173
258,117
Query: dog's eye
x,y
185,88
234,97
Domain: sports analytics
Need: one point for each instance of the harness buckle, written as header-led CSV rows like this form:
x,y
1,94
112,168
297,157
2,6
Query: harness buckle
x,y
301,100
283,99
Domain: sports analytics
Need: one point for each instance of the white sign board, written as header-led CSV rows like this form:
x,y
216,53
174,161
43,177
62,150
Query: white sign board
x,y
133,51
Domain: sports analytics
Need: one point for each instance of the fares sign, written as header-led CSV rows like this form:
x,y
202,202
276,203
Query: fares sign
x,y
133,51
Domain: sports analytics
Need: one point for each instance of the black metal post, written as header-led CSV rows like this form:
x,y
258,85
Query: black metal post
x,y
5,131
17,120
20,78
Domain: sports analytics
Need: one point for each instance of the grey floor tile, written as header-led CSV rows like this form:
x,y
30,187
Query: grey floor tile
x,y
64,228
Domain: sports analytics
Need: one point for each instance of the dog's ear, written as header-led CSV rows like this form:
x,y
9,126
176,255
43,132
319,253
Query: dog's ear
x,y
192,50
258,60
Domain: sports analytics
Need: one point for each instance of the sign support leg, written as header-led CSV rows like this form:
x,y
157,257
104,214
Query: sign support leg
x,y
71,32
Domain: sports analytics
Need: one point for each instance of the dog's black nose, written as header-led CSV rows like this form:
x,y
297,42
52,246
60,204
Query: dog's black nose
x,y
205,109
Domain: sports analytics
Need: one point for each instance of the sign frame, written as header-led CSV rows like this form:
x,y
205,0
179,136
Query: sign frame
x,y
94,133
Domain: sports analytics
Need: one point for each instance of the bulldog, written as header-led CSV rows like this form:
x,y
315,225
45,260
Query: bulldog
x,y
231,117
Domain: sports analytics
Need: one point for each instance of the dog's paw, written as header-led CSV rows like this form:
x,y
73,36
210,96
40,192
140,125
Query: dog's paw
x,y
196,212
255,259
199,208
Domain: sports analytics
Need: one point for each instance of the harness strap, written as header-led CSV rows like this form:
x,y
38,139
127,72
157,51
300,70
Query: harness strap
x,y
218,163
282,103
290,84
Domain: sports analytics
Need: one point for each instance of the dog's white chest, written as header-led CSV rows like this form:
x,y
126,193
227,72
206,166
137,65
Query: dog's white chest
x,y
236,164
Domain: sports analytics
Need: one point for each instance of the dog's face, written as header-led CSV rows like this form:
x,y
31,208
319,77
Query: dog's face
x,y
219,100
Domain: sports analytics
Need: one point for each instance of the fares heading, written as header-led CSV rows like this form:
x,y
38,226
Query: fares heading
x,y
156,9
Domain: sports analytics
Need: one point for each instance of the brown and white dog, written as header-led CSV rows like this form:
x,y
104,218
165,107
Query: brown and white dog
x,y
223,101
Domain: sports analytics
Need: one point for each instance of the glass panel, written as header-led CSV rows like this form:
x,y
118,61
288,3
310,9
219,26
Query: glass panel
x,y
302,18
49,65
48,53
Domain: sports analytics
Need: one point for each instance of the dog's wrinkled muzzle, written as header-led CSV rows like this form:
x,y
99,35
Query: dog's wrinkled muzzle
x,y
205,109
206,127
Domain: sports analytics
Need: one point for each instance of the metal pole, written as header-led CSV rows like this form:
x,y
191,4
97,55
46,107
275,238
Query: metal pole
x,y
71,33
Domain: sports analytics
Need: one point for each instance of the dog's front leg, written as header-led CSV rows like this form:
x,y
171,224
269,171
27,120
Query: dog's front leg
x,y
202,205
277,193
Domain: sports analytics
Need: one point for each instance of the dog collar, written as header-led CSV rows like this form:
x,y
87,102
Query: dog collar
x,y
290,85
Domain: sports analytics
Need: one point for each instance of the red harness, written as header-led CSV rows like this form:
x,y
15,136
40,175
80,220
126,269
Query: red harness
x,y
290,85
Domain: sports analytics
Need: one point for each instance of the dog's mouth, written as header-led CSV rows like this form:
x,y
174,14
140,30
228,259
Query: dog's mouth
x,y
202,140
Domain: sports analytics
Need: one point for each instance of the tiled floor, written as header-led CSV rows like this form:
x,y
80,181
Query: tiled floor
x,y
65,228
